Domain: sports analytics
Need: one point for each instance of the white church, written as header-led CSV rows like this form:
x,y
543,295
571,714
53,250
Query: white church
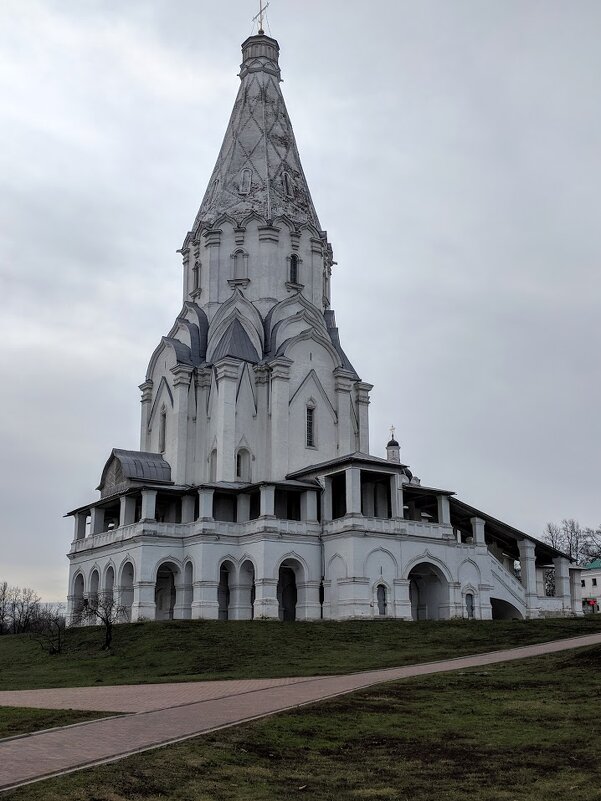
x,y
254,493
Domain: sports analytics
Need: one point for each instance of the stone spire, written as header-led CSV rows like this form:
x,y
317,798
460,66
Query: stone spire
x,y
259,168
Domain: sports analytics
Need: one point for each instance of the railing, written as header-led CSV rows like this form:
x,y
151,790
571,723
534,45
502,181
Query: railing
x,y
507,580
389,526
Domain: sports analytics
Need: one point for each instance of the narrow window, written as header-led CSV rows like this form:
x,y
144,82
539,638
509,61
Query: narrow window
x,y
469,605
245,182
310,427
294,269
381,597
582,583
196,276
594,582
239,265
287,184
162,430
213,466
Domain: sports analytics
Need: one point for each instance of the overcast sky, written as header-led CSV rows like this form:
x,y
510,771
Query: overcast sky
x,y
453,150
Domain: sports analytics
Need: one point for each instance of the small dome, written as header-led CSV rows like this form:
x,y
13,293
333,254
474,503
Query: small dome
x,y
393,444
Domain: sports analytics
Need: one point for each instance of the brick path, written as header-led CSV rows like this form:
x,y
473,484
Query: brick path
x,y
166,713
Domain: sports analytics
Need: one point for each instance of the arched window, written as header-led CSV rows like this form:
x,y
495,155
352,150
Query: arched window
x,y
381,599
310,426
287,184
245,182
162,430
239,265
294,269
196,276
469,605
243,465
213,465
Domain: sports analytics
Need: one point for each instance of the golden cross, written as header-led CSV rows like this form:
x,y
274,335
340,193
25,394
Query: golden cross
x,y
261,15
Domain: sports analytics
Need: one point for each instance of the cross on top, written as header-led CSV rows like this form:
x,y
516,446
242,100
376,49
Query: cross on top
x,y
392,430
261,15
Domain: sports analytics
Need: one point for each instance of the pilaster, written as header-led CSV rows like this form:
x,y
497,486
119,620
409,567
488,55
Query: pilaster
x,y
363,391
353,490
149,501
203,386
96,520
343,387
146,406
127,510
182,374
226,372
280,401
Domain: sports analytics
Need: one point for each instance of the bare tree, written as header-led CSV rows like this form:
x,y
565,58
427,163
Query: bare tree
x,y
581,544
4,608
103,610
49,628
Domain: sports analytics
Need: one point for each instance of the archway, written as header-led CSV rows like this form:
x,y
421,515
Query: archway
x,y
287,591
93,594
226,575
109,584
188,591
382,600
246,590
127,589
164,591
429,592
78,598
503,610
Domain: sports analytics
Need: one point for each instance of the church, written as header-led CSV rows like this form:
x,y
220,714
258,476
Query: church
x,y
254,493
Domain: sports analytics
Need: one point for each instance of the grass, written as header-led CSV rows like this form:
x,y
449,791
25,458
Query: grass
x,y
521,731
20,720
201,650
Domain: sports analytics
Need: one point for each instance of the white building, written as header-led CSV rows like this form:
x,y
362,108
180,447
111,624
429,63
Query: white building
x,y
254,493
591,587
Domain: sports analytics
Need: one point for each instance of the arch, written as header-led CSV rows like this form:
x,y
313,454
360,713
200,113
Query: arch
x,y
108,582
188,589
503,610
94,586
385,555
245,181
382,599
227,577
246,590
126,587
426,556
429,592
300,562
318,338
236,308
469,573
290,575
243,464
165,591
79,600
294,269
239,260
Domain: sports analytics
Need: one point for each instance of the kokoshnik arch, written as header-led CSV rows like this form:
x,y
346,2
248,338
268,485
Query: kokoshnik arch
x,y
253,494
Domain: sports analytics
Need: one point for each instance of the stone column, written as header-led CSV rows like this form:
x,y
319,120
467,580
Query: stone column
x,y
205,605
143,607
205,503
267,503
402,599
478,527
353,490
307,604
227,383
243,507
363,391
146,402
149,502
309,506
528,574
213,244
327,500
188,508
279,408
201,447
266,600
179,606
396,496
444,509
127,510
97,520
562,582
262,467
343,387
80,520
182,374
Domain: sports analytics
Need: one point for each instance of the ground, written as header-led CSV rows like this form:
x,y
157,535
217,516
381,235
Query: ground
x,y
526,731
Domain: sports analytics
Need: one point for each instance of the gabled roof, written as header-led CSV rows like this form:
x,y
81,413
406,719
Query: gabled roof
x,y
352,458
236,344
136,466
259,169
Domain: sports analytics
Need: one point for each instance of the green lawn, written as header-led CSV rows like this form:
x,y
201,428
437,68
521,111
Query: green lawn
x,y
200,650
521,731
20,720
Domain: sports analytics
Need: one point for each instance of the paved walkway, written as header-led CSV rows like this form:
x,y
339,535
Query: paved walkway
x,y
167,713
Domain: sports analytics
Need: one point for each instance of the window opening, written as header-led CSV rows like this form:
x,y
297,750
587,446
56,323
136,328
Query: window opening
x,y
287,183
294,269
469,605
310,427
196,276
245,183
162,430
381,597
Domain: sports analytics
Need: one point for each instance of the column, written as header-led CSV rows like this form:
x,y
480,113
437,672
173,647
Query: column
x,y
213,244
204,600
444,510
363,391
327,500
182,373
266,598
576,590
308,606
279,409
402,599
243,507
188,508
149,501
227,383
262,469
562,581
478,526
343,388
267,503
180,601
127,510
80,520
528,574
396,496
97,520
201,464
146,402
143,607
205,503
353,490
309,506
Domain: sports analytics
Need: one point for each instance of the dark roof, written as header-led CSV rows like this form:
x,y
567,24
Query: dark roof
x,y
356,457
393,444
594,565
236,344
138,466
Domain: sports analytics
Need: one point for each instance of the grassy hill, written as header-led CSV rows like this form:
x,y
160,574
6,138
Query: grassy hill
x,y
201,650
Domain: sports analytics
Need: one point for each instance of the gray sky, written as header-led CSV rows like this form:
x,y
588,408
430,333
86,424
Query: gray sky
x,y
453,150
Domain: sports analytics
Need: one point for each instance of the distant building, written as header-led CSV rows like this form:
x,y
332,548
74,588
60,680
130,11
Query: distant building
x,y
254,493
591,587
